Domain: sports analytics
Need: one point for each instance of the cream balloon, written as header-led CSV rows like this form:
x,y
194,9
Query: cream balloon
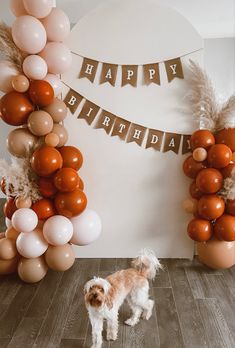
x,y
29,34
55,82
57,25
8,222
32,270
58,230
24,220
17,8
21,142
40,123
38,8
34,67
62,133
7,73
31,245
60,258
200,154
57,56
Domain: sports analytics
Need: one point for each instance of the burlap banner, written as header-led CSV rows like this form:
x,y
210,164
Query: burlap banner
x,y
129,73
127,131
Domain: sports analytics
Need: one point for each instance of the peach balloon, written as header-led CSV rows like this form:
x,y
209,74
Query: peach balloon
x,y
52,139
20,83
9,266
55,82
7,73
38,8
60,258
7,249
200,154
11,233
29,34
57,56
57,25
17,8
34,67
190,205
32,270
62,133
22,202
217,254
40,123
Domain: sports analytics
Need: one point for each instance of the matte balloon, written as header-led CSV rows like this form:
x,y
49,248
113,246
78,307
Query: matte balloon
x,y
15,108
70,204
40,123
55,82
194,191
9,208
86,228
209,180
31,245
217,254
227,137
29,34
52,139
44,208
46,161
24,220
57,109
57,56
190,205
58,230
191,168
7,249
21,142
41,93
60,258
20,83
7,73
202,138
225,228
17,8
57,25
22,202
219,156
11,233
227,171
62,133
38,8
230,207
9,266
32,270
8,222
66,180
72,157
199,154
35,67
47,187
199,230
211,207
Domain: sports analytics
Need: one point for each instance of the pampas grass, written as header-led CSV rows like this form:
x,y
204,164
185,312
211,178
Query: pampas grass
x,y
228,191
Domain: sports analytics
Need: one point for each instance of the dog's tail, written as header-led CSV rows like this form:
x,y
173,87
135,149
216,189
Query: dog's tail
x,y
147,264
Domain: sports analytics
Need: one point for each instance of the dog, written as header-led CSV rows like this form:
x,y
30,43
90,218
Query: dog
x,y
104,297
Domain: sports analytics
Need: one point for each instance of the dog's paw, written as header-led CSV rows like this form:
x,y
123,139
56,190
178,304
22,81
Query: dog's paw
x,y
130,322
111,336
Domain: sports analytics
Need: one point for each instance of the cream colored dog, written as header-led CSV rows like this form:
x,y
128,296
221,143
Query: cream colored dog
x,y
104,297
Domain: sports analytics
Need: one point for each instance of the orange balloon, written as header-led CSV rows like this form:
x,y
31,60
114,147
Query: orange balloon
x,y
9,208
11,233
72,157
227,171
225,228
44,209
7,249
211,207
209,180
80,184
202,138
194,191
191,168
46,161
41,93
15,108
71,204
219,156
66,180
199,230
230,207
9,266
47,187
227,137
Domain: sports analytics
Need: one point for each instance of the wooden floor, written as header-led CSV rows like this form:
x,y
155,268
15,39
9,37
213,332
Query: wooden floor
x,y
194,307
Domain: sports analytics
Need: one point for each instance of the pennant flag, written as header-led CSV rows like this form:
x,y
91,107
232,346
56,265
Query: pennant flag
x,y
106,121
172,142
186,147
151,74
72,100
120,128
174,69
89,111
129,75
136,134
154,140
89,68
109,73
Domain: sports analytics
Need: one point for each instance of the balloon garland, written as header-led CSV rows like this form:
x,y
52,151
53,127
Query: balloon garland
x,y
212,168
46,205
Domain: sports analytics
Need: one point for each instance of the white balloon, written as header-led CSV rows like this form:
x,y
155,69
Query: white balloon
x,y
24,220
8,223
7,72
86,228
35,67
31,245
58,230
55,82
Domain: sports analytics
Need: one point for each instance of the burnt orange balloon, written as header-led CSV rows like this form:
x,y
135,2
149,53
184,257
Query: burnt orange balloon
x,y
219,156
202,138
225,228
71,204
209,180
66,180
227,137
47,187
230,207
41,93
191,168
15,108
211,207
72,157
9,208
46,161
80,184
199,230
44,208
227,171
194,191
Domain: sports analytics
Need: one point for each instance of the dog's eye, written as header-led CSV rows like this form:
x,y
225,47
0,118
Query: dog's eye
x,y
102,290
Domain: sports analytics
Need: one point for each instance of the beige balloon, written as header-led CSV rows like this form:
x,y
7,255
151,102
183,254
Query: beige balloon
x,y
21,142
20,83
62,133
57,109
52,139
40,123
7,249
11,233
23,202
200,154
8,266
60,258
32,270
190,205
217,254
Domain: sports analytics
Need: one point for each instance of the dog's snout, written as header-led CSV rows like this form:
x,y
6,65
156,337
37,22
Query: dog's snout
x,y
95,296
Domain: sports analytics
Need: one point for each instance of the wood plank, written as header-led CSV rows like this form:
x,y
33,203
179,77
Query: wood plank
x,y
4,342
190,320
216,328
168,321
9,286
162,279
71,343
198,282
108,265
123,264
26,333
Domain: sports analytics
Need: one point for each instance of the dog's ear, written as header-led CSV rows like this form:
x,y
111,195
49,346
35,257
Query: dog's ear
x,y
109,298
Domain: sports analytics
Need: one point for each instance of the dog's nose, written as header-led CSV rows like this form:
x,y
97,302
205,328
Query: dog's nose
x,y
95,296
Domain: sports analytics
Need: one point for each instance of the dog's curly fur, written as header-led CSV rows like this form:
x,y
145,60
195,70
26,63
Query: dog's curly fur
x,y
103,297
